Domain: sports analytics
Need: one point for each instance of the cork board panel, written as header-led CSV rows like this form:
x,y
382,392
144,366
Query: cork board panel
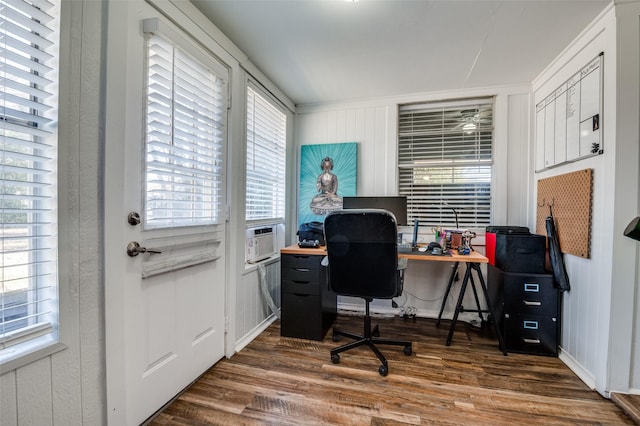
x,y
569,196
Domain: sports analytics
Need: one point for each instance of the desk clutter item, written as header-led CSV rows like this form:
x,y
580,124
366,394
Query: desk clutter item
x,y
309,244
405,248
311,231
528,309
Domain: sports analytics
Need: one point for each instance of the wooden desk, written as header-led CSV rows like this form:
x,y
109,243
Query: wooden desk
x,y
473,262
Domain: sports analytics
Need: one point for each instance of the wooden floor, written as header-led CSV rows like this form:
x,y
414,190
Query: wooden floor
x,y
285,381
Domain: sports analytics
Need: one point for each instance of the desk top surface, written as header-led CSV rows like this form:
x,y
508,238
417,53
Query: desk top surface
x,y
473,257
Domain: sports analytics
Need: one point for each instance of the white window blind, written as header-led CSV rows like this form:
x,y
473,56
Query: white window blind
x,y
186,120
445,161
28,198
266,142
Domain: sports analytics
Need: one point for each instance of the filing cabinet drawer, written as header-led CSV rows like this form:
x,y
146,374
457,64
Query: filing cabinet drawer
x,y
302,316
530,293
295,261
301,287
300,275
531,334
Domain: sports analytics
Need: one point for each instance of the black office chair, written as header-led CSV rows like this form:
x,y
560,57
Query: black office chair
x,y
362,257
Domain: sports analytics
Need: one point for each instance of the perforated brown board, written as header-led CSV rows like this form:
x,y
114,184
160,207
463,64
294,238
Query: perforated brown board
x,y
569,196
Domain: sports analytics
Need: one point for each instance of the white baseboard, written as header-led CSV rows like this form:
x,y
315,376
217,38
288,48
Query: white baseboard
x,y
574,366
248,338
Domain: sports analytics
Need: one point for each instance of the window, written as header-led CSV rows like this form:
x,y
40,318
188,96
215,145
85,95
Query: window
x,y
266,142
186,116
445,162
28,198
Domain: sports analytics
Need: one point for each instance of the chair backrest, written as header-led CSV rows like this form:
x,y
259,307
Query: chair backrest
x,y
363,253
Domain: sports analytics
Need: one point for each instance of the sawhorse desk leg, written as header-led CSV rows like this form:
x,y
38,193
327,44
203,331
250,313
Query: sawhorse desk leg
x,y
446,293
459,308
452,278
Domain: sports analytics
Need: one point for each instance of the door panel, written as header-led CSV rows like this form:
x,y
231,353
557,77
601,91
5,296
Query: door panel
x,y
164,306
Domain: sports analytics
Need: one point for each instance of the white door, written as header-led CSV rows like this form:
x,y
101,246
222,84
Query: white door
x,y
164,284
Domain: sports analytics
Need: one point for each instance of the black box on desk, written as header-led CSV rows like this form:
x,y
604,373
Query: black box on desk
x,y
521,253
490,238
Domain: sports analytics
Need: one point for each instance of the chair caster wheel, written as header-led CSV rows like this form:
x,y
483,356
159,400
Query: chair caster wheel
x,y
383,370
335,358
335,338
407,350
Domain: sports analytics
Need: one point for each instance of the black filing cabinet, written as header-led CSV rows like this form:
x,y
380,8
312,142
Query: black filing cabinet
x,y
530,311
308,307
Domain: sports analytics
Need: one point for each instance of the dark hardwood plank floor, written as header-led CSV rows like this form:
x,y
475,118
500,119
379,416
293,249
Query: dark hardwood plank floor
x,y
285,381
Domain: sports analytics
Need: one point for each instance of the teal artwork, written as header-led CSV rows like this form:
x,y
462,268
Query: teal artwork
x,y
328,172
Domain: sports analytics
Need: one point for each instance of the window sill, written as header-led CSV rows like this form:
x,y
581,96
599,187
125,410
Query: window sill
x,y
25,353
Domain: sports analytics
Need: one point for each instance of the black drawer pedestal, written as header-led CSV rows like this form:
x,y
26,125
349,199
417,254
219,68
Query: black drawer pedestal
x,y
308,307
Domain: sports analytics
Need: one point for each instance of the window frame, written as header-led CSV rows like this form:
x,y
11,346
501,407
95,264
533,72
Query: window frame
x,y
30,125
278,211
468,126
216,156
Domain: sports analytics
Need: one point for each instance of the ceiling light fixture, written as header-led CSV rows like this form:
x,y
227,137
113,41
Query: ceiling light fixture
x,y
469,127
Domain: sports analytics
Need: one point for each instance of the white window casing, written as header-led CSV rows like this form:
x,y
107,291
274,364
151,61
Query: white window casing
x,y
266,158
445,162
29,312
185,134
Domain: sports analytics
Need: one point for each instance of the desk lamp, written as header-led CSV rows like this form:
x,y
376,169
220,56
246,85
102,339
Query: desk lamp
x,y
455,213
633,229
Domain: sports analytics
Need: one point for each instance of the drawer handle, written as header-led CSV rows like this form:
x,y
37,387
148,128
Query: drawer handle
x,y
301,269
301,282
532,341
301,295
531,325
532,287
531,303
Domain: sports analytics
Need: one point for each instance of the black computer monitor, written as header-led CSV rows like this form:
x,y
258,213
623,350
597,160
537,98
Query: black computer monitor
x,y
396,205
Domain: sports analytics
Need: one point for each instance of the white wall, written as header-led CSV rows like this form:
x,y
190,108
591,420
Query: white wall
x,y
373,125
586,306
624,363
253,314
600,318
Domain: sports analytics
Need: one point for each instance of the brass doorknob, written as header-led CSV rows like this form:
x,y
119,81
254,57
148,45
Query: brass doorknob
x,y
134,248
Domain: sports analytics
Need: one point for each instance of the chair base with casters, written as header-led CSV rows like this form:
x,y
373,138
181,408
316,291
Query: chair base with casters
x,y
369,338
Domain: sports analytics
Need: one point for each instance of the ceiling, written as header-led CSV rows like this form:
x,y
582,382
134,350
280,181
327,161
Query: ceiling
x,y
319,51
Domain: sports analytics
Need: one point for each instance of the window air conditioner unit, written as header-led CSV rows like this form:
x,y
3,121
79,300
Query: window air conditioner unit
x,y
260,244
